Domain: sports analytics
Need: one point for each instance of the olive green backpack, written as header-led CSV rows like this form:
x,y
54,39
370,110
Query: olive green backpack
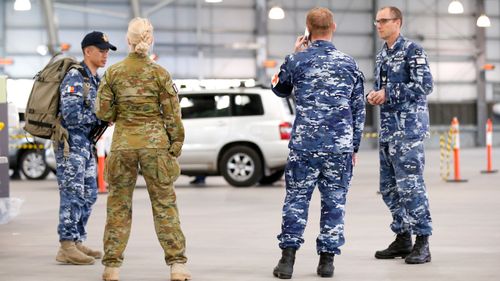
x,y
41,114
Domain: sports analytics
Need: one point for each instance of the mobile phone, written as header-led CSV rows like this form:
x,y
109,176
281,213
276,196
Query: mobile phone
x,y
306,34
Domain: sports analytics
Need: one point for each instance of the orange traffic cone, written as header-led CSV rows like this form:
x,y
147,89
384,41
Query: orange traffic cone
x,y
101,157
455,131
489,148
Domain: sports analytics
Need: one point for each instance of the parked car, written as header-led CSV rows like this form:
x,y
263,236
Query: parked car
x,y
26,153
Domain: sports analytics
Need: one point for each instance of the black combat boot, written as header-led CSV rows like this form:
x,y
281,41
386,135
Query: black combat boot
x,y
401,247
284,269
420,252
325,265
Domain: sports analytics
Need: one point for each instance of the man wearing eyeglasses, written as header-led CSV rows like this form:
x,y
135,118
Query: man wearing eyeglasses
x,y
402,82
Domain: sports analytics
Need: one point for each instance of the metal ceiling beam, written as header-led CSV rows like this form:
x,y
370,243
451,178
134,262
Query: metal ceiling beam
x,y
261,40
144,3
157,7
3,32
3,19
227,31
174,29
190,52
136,8
48,9
481,78
199,40
88,10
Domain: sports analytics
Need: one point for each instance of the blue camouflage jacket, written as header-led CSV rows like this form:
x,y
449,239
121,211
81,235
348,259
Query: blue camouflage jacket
x,y
328,87
76,115
404,72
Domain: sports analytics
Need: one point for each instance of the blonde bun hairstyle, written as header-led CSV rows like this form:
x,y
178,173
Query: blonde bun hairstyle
x,y
140,35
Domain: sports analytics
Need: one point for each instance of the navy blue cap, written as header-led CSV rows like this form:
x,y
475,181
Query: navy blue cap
x,y
98,39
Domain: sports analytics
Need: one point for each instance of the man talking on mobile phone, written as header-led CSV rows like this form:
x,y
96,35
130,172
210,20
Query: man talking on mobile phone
x,y
326,134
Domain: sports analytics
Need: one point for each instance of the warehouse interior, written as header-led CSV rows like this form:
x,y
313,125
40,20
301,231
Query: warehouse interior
x,y
216,45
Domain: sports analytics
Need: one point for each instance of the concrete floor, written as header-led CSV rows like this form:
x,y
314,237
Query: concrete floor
x,y
231,232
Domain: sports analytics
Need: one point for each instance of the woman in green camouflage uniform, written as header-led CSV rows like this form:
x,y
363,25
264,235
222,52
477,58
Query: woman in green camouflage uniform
x,y
139,96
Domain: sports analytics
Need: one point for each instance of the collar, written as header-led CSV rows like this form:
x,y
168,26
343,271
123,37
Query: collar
x,y
134,55
397,44
322,43
94,78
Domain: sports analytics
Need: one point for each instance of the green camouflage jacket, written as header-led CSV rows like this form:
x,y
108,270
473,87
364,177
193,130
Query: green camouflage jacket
x,y
140,97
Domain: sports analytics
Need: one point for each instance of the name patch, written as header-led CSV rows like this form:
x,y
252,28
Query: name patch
x,y
420,61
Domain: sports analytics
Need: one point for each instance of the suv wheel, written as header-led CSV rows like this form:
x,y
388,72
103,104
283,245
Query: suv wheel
x,y
32,165
272,178
241,166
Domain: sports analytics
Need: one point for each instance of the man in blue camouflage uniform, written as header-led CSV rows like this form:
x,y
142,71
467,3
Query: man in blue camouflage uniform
x,y
402,82
76,168
326,134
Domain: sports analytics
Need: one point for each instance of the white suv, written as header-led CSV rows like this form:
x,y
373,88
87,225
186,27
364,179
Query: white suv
x,y
241,134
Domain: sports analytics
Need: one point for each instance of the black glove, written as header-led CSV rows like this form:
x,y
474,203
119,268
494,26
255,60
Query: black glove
x,y
97,131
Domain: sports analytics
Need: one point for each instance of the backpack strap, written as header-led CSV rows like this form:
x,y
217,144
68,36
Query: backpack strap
x,y
60,135
86,83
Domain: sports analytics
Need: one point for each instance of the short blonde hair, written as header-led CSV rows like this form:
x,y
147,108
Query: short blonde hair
x,y
319,21
140,35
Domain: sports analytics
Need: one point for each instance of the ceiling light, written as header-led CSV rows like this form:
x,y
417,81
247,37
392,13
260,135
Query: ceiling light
x,y
456,7
22,5
276,13
213,1
42,50
483,21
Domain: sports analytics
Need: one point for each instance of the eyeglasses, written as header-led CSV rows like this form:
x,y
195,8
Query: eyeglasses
x,y
383,21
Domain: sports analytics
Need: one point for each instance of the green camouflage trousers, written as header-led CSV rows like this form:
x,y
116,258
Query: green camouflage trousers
x,y
160,170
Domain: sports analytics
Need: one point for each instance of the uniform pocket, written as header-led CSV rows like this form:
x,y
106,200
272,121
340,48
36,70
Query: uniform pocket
x,y
347,173
121,168
108,169
340,169
168,167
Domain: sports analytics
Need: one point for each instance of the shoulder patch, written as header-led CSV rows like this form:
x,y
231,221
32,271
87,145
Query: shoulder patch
x,y
418,52
70,89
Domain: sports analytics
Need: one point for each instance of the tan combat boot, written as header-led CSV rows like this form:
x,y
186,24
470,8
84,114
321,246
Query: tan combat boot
x,y
110,274
68,253
179,272
89,252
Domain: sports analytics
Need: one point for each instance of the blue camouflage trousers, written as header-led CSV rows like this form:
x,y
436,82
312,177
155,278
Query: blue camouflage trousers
x,y
332,174
403,188
76,176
